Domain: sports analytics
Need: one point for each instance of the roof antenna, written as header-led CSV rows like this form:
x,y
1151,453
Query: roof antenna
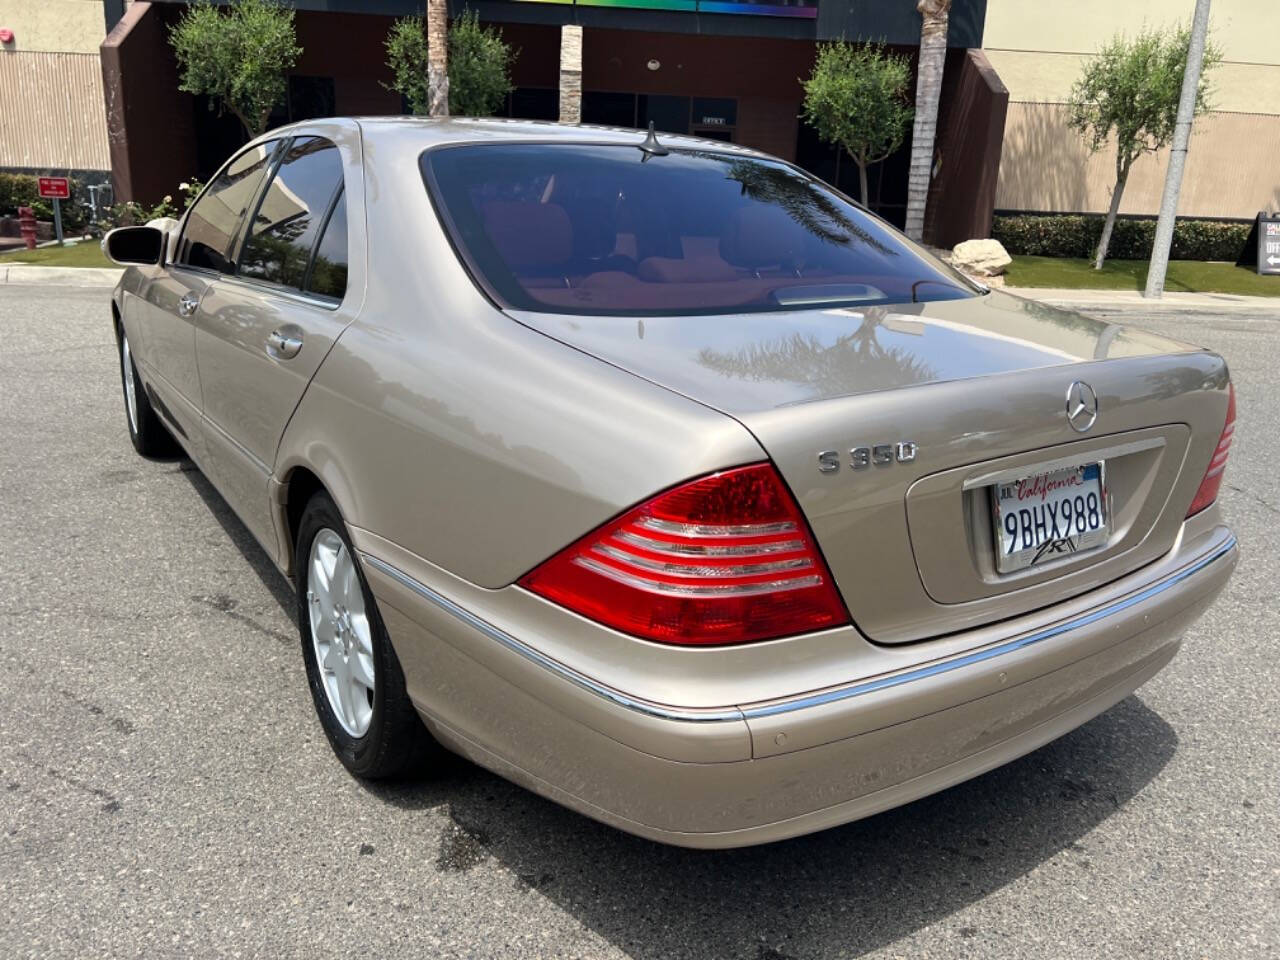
x,y
651,147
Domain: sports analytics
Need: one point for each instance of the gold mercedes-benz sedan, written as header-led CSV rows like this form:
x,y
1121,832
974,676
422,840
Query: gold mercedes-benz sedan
x,y
657,476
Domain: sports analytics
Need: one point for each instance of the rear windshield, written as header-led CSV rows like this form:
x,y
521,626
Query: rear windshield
x,y
574,228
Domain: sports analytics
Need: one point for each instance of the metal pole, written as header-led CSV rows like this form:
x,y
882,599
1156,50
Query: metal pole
x,y
1178,157
57,218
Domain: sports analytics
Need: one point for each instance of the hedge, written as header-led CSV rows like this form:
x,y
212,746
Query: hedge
x,y
1065,235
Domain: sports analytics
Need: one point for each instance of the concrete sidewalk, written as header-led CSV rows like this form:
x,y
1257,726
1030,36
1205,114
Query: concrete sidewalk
x,y
1171,302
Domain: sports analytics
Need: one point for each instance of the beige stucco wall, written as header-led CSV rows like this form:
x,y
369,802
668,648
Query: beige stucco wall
x,y
1245,29
52,114
1038,47
54,26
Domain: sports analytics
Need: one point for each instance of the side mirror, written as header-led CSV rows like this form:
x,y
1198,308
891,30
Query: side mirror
x,y
134,246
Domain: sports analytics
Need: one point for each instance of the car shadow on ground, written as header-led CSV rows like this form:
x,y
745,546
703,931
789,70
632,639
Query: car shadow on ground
x,y
845,891
849,890
276,583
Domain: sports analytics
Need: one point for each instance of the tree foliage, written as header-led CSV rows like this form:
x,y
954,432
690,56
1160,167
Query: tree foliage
x,y
239,56
407,57
857,98
1128,96
479,65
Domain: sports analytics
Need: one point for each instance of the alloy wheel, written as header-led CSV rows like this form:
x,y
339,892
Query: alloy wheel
x,y
340,632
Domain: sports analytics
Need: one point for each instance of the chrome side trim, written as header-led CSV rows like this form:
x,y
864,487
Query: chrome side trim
x,y
805,701
534,656
991,653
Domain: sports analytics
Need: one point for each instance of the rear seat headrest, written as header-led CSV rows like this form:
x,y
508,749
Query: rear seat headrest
x,y
758,236
529,235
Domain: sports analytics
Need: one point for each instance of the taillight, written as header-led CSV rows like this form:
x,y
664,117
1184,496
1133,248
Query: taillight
x,y
1212,481
724,559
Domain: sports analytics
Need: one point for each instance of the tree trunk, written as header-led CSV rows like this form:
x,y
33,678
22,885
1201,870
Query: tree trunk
x,y
437,58
933,57
862,180
1105,242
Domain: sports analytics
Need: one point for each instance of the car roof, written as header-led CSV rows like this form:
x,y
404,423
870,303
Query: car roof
x,y
423,132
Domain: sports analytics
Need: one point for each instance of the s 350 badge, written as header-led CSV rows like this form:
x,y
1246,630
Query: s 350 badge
x,y
880,455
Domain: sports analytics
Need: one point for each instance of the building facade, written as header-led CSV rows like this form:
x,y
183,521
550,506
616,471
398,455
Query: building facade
x,y
727,69
52,113
1232,168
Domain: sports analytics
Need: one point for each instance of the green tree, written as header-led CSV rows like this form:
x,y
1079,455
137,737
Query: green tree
x,y
1128,95
479,66
856,98
240,56
407,57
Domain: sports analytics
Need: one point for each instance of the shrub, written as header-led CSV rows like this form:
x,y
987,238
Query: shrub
x,y
23,190
1069,235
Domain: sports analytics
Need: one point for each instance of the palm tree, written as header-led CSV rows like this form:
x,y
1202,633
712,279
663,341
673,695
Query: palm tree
x,y
437,58
933,57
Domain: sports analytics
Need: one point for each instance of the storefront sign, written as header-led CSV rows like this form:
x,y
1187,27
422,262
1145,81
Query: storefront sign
x,y
806,9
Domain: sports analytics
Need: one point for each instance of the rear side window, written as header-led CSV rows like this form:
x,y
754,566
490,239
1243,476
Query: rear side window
x,y
292,214
214,222
579,228
328,275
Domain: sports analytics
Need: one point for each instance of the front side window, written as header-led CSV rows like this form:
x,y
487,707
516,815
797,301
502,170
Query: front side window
x,y
214,222
292,214
579,228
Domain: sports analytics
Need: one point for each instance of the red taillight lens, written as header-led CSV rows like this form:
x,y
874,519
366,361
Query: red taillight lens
x,y
724,559
1212,481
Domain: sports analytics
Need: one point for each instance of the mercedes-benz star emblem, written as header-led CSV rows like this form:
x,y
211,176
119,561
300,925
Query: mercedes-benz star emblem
x,y
1082,406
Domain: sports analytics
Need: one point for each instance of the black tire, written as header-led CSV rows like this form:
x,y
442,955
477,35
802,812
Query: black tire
x,y
396,742
148,434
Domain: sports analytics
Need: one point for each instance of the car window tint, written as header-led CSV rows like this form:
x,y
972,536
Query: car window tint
x,y
214,221
329,268
594,229
284,228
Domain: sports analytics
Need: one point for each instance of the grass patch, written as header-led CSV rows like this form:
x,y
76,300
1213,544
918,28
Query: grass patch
x,y
1185,276
86,253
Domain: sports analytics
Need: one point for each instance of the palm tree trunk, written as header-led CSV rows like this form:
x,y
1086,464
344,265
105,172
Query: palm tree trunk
x,y
933,57
437,58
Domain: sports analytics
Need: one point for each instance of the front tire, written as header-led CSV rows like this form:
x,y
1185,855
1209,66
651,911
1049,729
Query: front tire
x,y
355,677
147,433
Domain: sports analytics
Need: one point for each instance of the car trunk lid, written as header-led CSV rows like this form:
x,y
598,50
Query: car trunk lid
x,y
976,390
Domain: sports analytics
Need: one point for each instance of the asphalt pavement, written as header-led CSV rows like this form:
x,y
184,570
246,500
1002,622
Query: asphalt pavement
x,y
165,789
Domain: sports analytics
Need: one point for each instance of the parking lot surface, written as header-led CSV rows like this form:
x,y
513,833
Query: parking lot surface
x,y
167,790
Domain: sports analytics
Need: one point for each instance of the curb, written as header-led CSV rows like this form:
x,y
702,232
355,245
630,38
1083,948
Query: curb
x,y
30,273
1180,303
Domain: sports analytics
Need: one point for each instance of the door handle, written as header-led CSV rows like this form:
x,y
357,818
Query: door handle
x,y
188,304
282,345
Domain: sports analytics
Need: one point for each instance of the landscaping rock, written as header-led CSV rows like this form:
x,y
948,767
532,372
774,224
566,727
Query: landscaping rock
x,y
981,258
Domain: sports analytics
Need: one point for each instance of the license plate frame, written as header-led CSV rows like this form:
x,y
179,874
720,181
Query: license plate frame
x,y
1056,486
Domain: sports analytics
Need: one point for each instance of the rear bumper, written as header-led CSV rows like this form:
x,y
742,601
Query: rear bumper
x,y
773,768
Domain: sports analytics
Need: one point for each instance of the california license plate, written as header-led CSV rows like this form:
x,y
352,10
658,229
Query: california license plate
x,y
1048,516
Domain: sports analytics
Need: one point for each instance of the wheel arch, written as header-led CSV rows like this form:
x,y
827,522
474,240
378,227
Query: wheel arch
x,y
298,482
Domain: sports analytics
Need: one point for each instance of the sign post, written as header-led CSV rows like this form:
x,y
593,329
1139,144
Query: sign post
x,y
56,189
1269,245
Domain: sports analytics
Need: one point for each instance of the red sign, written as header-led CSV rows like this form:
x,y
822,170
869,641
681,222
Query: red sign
x,y
55,188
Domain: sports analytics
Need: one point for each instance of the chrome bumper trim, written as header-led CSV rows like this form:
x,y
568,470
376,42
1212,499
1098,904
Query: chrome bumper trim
x,y
542,660
991,653
804,701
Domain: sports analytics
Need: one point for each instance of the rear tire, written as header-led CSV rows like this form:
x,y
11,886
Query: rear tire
x,y
147,433
355,677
